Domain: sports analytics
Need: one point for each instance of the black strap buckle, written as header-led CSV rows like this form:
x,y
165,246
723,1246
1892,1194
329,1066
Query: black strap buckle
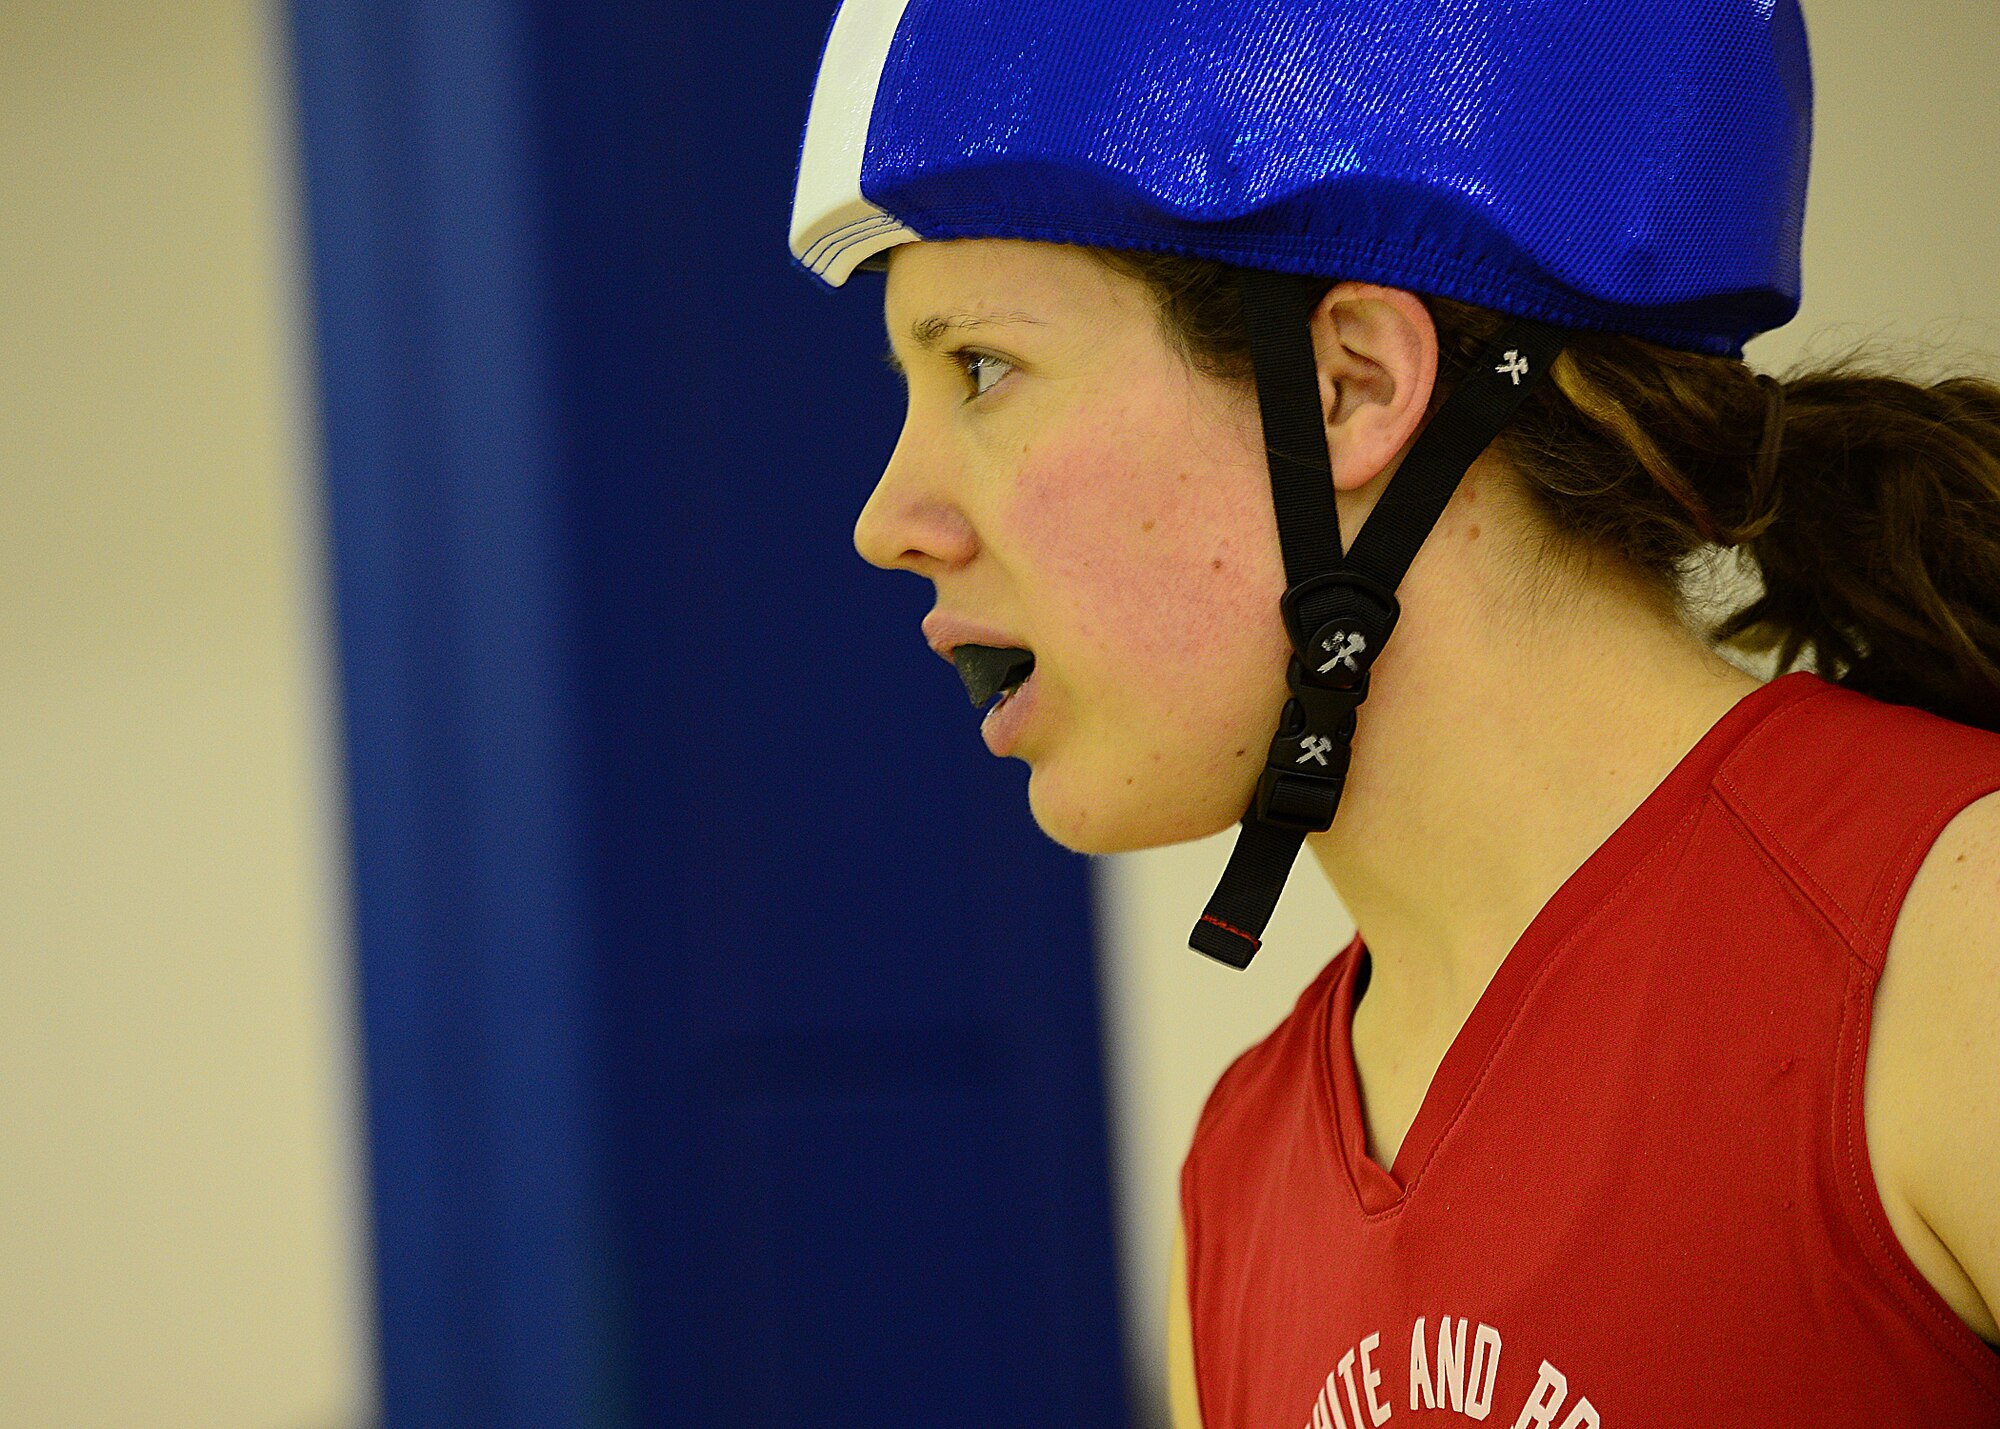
x,y
1339,623
1307,763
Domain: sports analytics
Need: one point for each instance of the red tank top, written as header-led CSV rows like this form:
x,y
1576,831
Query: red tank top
x,y
1636,1193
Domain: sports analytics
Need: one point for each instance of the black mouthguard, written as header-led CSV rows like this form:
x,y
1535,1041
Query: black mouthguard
x,y
989,669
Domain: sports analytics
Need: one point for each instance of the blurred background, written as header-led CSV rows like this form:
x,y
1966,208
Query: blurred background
x,y
503,921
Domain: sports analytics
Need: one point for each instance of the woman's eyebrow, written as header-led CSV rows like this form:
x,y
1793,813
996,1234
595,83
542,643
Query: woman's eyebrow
x,y
928,333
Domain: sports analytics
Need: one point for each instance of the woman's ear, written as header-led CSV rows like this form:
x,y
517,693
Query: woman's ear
x,y
1377,354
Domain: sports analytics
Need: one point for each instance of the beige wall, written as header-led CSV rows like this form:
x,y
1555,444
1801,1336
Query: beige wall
x,y
1902,221
178,1205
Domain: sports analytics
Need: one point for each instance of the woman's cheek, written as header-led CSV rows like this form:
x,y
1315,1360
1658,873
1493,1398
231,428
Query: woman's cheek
x,y
1162,572
1175,645
1146,575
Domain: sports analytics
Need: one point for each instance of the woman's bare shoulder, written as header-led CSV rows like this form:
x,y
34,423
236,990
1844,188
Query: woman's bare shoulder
x,y
1932,1090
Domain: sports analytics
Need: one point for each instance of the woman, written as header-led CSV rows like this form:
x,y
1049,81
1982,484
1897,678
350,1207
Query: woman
x,y
1657,1086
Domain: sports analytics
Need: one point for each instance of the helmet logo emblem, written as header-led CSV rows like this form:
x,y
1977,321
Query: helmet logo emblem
x,y
1516,366
1352,643
1315,747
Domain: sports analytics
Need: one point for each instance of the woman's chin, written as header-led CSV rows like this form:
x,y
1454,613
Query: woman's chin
x,y
1121,815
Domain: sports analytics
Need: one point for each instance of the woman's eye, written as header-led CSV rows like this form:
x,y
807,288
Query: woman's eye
x,y
978,363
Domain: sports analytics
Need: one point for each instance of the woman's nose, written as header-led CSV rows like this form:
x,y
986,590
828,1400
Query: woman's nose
x,y
910,522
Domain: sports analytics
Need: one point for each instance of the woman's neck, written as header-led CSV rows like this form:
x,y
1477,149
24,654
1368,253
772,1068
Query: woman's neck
x,y
1505,737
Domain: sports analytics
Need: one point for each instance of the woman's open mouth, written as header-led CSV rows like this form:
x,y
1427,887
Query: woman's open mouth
x,y
988,670
1006,671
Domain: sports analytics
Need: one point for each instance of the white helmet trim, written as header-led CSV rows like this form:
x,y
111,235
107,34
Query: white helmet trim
x,y
833,227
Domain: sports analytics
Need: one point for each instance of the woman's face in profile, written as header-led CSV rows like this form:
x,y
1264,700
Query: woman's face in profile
x,y
1070,485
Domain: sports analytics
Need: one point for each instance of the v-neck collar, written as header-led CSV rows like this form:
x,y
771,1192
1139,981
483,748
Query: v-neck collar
x,y
1381,1191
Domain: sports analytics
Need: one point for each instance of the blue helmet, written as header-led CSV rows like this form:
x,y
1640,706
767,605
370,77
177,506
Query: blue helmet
x,y
1573,163
1633,168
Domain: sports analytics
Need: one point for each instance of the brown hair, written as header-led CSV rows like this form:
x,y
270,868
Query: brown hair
x,y
1876,532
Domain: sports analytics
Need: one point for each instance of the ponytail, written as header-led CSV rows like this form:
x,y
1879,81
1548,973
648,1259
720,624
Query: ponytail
x,y
1867,503
1902,587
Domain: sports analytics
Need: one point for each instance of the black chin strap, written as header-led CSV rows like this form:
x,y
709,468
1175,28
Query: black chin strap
x,y
1339,609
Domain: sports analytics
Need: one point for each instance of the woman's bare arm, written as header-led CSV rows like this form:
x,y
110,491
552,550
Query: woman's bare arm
x,y
1181,1397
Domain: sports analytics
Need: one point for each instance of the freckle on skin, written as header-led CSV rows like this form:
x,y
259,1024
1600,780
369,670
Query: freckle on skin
x,y
1215,565
1473,534
1239,754
1146,526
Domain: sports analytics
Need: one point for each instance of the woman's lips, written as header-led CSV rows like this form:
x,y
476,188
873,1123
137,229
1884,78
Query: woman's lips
x,y
1001,729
